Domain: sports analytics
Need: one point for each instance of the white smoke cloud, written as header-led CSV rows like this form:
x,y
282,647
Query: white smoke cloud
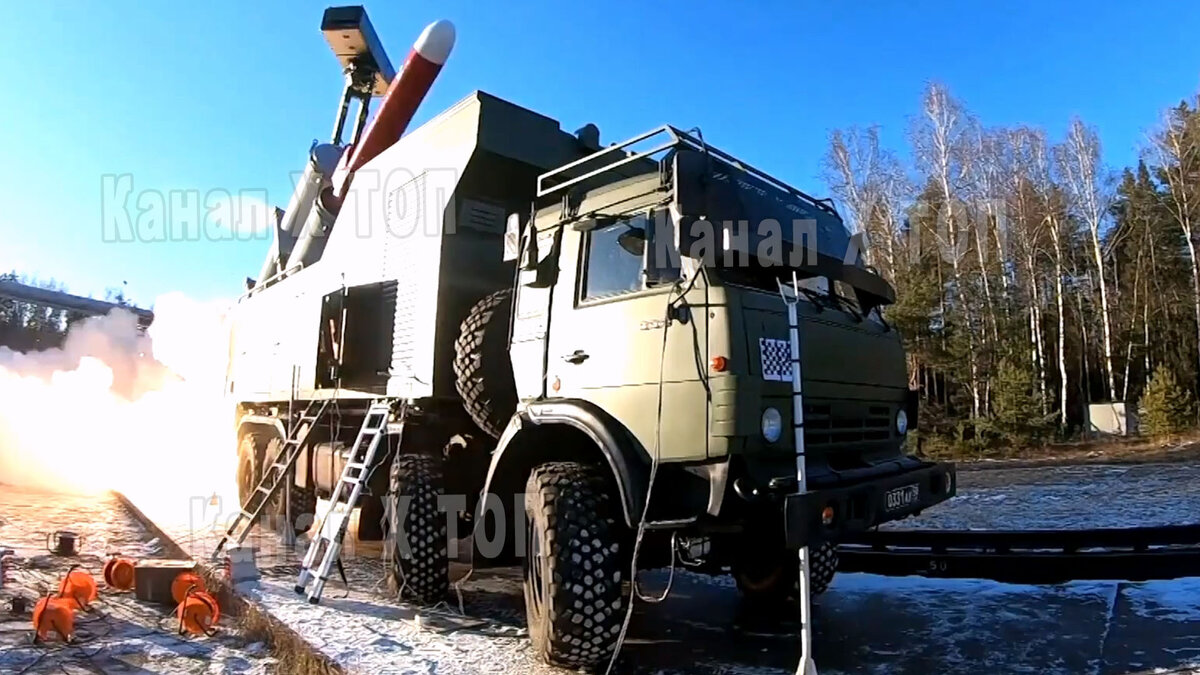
x,y
114,408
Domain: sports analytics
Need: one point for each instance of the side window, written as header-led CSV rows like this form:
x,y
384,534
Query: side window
x,y
612,269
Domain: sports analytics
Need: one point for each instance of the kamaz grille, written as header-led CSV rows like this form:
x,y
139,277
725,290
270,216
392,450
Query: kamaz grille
x,y
836,423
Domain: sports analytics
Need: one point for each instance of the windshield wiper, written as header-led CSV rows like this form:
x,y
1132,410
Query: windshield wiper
x,y
850,308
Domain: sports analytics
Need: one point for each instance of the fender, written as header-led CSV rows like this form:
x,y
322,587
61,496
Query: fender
x,y
626,458
302,462
263,420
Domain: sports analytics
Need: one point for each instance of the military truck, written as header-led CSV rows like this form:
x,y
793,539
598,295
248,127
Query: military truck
x,y
581,342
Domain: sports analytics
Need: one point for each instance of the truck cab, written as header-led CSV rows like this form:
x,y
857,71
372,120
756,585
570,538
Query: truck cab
x,y
647,311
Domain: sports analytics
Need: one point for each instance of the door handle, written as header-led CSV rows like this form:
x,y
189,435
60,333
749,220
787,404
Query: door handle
x,y
578,356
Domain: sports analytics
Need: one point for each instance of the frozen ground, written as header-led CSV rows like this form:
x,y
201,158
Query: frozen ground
x,y
121,634
864,623
1070,497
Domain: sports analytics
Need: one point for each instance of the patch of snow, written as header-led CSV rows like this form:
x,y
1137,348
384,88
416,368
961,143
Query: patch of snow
x,y
1177,600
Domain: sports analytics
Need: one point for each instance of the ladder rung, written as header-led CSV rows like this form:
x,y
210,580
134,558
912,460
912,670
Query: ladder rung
x,y
264,490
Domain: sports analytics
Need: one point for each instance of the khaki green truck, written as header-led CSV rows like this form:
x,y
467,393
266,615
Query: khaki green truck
x,y
580,340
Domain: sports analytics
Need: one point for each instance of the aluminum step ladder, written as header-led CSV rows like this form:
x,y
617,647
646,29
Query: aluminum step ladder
x,y
274,477
791,296
332,531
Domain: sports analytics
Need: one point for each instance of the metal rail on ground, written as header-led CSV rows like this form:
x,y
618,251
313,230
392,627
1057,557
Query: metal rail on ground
x,y
1027,556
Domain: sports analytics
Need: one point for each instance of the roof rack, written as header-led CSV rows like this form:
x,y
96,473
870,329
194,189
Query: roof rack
x,y
619,157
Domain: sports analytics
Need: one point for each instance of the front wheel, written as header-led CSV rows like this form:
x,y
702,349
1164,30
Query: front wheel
x,y
574,600
774,577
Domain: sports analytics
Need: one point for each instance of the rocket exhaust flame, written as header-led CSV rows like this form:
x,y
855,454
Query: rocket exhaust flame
x,y
117,409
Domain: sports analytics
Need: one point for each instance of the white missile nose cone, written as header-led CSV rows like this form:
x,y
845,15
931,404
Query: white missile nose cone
x,y
436,41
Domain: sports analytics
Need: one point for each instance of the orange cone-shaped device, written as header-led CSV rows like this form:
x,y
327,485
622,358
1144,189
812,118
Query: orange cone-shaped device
x,y
184,581
78,588
54,614
118,573
198,612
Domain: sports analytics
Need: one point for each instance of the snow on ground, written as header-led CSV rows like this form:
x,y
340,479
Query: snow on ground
x,y
1073,497
122,634
864,623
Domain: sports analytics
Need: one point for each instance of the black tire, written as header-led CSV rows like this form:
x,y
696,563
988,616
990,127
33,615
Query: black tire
x,y
482,370
251,447
574,602
304,500
418,569
773,578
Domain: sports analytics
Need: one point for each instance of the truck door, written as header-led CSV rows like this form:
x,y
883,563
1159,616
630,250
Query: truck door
x,y
606,343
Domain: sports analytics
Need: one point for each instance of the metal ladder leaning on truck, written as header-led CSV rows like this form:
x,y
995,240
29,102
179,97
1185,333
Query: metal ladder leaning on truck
x,y
590,358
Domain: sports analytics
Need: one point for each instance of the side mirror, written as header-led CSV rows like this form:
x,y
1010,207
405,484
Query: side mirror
x,y
633,241
655,245
512,237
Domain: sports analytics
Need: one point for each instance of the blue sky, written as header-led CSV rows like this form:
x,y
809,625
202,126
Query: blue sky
x,y
228,95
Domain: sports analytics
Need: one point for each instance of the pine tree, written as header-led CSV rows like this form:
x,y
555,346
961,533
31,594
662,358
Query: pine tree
x,y
1166,407
1016,414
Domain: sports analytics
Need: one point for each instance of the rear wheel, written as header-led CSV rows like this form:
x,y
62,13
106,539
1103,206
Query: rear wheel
x,y
251,447
574,602
304,500
418,569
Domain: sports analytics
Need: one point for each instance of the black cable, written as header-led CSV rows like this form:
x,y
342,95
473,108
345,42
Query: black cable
x,y
654,462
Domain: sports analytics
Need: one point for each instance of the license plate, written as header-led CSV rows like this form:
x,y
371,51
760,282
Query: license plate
x,y
898,498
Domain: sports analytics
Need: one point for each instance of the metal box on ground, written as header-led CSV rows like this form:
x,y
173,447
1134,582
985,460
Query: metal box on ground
x,y
152,579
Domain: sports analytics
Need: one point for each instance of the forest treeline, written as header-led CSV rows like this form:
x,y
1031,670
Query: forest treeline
x,y
28,327
1032,279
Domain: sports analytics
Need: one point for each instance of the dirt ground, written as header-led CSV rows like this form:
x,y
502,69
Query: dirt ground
x,y
1131,450
121,634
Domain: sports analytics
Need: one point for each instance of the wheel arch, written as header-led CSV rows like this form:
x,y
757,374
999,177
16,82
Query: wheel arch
x,y
566,430
260,423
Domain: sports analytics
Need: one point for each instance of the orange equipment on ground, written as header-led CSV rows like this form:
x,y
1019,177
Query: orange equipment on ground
x,y
183,582
78,588
198,612
54,614
118,573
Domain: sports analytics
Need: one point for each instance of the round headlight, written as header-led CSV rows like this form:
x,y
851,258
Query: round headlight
x,y
901,422
772,425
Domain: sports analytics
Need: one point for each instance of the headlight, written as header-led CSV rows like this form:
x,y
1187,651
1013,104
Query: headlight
x,y
901,422
772,425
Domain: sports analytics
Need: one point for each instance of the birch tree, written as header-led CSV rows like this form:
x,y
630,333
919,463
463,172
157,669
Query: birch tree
x,y
938,138
1086,187
1179,161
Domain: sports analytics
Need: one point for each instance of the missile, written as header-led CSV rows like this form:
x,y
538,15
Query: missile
x,y
404,95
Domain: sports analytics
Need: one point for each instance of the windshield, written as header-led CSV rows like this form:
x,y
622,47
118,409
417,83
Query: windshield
x,y
819,290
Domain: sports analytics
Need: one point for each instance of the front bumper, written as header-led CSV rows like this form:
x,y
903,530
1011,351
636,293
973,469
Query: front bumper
x,y
861,506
